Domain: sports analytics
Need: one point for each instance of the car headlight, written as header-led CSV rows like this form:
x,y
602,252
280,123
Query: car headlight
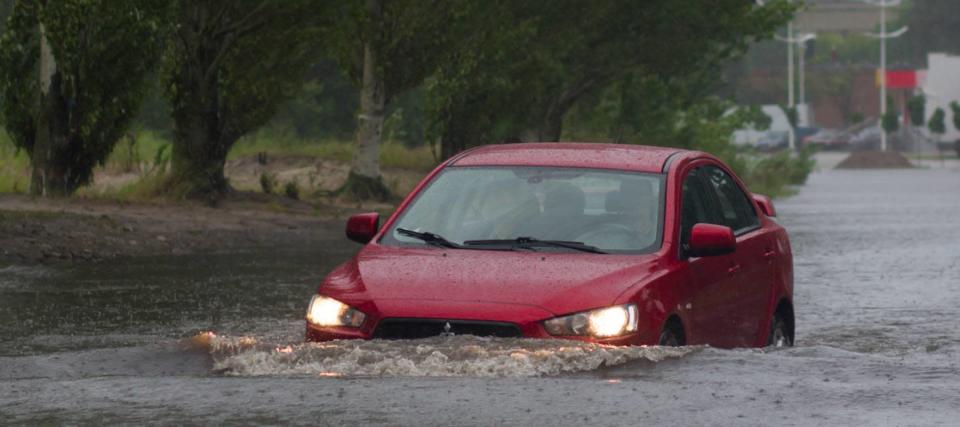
x,y
325,311
602,322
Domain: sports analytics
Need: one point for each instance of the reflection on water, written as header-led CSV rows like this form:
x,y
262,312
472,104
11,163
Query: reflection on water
x,y
140,300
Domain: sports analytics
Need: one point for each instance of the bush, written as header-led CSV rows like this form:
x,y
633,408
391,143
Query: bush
x,y
773,176
267,182
292,190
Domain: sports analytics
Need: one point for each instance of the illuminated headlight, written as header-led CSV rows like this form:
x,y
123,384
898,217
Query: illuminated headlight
x,y
324,311
602,322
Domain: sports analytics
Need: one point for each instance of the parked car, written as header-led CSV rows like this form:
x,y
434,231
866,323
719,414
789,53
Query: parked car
x,y
614,244
867,139
829,139
774,140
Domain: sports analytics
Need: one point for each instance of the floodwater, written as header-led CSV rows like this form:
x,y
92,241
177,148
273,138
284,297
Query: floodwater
x,y
218,339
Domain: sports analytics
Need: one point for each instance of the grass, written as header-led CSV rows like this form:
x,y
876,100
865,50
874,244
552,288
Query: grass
x,y
392,154
14,167
139,154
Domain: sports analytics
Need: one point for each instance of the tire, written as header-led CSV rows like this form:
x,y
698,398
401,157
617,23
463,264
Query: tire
x,y
779,332
671,335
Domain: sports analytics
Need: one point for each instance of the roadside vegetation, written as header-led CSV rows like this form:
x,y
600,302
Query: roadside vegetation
x,y
356,100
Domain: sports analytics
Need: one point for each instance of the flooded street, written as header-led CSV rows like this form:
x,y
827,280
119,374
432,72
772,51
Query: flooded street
x,y
218,338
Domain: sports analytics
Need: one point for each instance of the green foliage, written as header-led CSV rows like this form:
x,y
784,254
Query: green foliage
x,y
292,190
890,122
324,108
229,68
392,155
267,182
937,123
103,51
955,109
581,52
916,106
410,37
14,166
774,175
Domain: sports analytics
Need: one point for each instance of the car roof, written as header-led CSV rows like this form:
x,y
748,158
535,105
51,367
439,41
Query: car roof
x,y
638,158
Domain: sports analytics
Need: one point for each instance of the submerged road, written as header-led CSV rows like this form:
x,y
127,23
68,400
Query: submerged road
x,y
877,257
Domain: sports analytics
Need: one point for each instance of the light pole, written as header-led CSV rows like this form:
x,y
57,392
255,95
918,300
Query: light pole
x,y
883,35
801,41
791,137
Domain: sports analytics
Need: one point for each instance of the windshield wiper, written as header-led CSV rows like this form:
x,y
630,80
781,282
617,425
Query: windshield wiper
x,y
528,242
429,238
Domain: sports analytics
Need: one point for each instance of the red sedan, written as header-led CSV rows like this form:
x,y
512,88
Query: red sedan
x,y
616,244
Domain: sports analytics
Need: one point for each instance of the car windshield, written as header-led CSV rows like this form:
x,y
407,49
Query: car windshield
x,y
612,211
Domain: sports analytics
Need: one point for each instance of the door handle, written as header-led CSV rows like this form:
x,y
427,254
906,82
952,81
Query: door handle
x,y
733,269
770,254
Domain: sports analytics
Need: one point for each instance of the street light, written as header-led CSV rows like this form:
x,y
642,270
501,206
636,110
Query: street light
x,y
883,35
790,40
801,41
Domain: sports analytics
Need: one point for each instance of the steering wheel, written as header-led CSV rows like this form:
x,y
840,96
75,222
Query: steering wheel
x,y
606,232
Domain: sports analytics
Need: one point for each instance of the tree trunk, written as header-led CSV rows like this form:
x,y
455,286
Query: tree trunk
x,y
51,174
552,125
453,140
364,181
199,146
366,161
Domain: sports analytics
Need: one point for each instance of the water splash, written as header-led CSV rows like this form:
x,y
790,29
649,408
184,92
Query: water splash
x,y
454,356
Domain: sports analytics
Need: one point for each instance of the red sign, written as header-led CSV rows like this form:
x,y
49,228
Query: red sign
x,y
900,79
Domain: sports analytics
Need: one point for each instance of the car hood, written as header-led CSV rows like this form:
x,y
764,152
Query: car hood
x,y
557,282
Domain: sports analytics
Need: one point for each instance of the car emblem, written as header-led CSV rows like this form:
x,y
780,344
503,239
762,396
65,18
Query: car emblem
x,y
446,328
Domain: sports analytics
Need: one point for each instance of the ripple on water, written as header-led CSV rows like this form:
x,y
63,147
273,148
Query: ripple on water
x,y
453,356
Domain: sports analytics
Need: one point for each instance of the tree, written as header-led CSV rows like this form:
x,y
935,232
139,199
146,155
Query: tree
x,y
482,93
916,106
936,124
595,44
955,109
72,75
890,122
229,66
934,27
574,50
387,47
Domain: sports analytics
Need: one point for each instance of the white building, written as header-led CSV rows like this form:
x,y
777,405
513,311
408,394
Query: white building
x,y
942,86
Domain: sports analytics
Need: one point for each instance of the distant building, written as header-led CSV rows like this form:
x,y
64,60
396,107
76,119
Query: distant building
x,y
841,16
941,87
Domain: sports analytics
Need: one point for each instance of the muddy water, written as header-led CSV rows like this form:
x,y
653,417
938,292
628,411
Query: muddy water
x,y
877,292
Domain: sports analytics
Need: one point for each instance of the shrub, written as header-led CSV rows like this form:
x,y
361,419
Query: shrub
x,y
292,190
267,182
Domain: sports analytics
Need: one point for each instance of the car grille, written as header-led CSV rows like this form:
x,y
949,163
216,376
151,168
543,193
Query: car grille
x,y
398,328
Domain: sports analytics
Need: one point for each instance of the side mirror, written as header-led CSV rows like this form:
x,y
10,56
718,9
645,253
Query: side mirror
x,y
710,240
362,227
766,205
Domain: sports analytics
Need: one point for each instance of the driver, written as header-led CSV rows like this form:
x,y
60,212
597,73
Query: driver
x,y
635,206
508,203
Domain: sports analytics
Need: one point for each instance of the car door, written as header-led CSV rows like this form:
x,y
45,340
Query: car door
x,y
753,268
709,283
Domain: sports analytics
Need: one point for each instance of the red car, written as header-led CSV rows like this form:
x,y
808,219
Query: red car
x,y
615,244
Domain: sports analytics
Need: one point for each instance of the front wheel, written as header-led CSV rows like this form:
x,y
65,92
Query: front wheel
x,y
671,336
779,333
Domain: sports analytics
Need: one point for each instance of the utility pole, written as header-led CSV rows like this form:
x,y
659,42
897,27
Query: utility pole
x,y
790,40
883,36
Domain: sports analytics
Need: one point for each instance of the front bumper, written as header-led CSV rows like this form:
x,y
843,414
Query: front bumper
x,y
535,330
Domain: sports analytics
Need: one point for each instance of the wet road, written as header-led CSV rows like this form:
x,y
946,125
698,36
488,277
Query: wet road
x,y
877,257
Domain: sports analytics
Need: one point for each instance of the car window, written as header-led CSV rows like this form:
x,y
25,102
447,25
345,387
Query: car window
x,y
735,208
616,211
693,205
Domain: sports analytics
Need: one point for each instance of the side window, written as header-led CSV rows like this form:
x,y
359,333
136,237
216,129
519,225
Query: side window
x,y
735,208
693,204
